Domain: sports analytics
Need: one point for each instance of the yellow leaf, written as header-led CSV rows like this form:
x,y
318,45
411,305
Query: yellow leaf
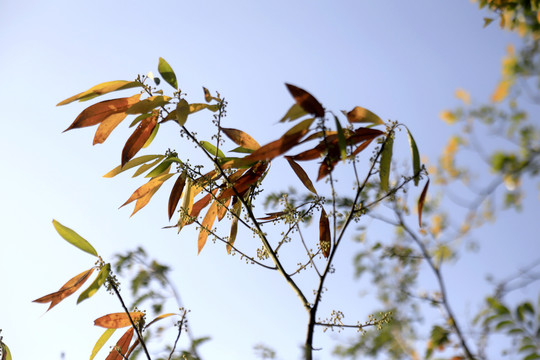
x,y
206,225
463,96
501,92
448,117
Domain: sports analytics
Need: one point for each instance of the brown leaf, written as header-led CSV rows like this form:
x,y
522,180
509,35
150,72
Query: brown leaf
x,y
206,225
118,320
222,208
68,289
99,112
241,138
236,210
150,186
201,204
272,215
119,350
245,181
360,148
306,100
101,89
421,201
301,175
138,138
133,347
362,115
324,234
176,193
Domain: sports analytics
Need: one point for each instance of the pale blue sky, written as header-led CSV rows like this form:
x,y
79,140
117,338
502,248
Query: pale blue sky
x,y
403,60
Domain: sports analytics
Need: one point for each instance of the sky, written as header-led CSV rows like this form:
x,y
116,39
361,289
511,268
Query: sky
x,y
402,60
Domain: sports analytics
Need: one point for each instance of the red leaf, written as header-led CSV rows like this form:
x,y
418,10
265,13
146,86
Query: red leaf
x,y
245,181
301,175
120,349
306,100
324,234
68,289
176,193
138,138
421,201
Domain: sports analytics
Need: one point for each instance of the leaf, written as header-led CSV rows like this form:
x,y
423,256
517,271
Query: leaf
x,y
148,105
464,96
504,323
487,21
132,163
119,320
143,168
201,204
66,290
421,201
101,89
167,73
122,346
74,238
176,193
245,181
324,234
502,90
101,341
212,149
101,111
163,167
138,138
222,208
236,210
341,140
160,317
301,175
241,138
187,204
207,96
206,225
182,112
152,136
415,158
306,100
4,351
96,284
363,115
295,112
386,161
193,108
145,192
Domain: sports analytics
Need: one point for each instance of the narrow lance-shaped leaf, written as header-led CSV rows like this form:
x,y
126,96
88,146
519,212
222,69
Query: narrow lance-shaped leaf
x,y
206,225
362,115
152,136
145,192
415,158
193,108
421,201
148,105
306,100
101,341
96,284
324,234
6,353
74,238
299,171
66,290
160,317
145,167
163,167
295,112
187,204
132,163
213,150
386,162
101,89
241,138
119,350
341,140
138,138
236,210
176,193
167,73
119,320
222,208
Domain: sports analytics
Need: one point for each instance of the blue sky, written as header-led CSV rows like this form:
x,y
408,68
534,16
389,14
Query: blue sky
x,y
403,60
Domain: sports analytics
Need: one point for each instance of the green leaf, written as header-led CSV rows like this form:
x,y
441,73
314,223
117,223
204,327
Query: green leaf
x,y
487,21
415,158
212,149
294,113
503,324
132,163
532,356
158,170
148,104
182,112
101,341
152,136
241,150
138,119
193,108
101,89
342,143
527,348
96,284
74,238
147,167
6,354
167,73
386,161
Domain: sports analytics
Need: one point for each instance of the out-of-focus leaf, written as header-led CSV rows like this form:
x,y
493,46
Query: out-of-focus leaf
x,y
386,162
182,112
167,73
132,163
118,320
119,350
306,100
236,210
324,234
241,138
101,341
212,149
341,140
138,138
503,324
160,317
74,238
176,193
207,96
101,89
66,290
463,96
415,158
295,112
363,115
148,105
96,284
206,225
299,171
101,111
487,21
421,202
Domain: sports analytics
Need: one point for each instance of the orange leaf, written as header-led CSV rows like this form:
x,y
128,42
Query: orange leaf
x,y
236,210
301,175
360,114
241,138
138,138
118,320
201,204
150,186
68,289
222,208
176,193
306,100
120,349
421,201
360,147
324,234
272,215
206,225
245,181
99,112
135,344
